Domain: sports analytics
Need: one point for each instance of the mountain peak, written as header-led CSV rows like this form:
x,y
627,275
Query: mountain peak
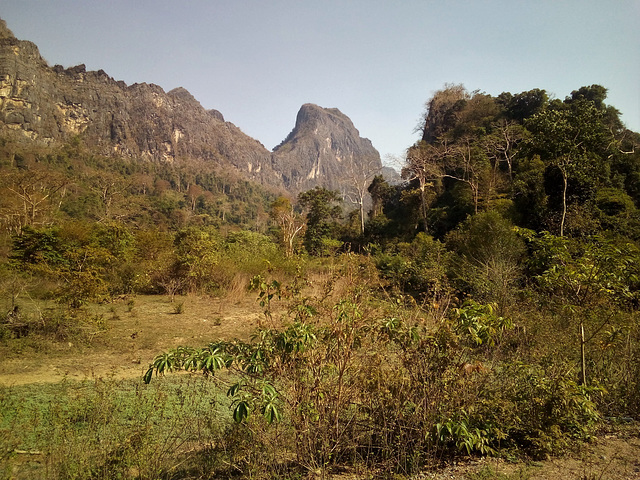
x,y
313,114
183,95
51,105
4,30
322,146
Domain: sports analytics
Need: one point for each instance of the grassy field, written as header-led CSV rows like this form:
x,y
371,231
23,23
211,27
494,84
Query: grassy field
x,y
108,428
75,406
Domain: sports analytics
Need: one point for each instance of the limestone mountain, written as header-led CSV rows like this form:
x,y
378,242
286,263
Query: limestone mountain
x,y
48,106
324,148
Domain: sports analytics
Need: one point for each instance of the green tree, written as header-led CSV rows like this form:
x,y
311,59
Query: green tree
x,y
523,105
79,257
589,280
488,258
380,192
530,197
323,211
572,138
197,254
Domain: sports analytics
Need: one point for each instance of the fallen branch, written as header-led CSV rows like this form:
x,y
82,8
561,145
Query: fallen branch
x,y
28,452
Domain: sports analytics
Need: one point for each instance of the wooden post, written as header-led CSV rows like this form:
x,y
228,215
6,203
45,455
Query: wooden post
x,y
582,355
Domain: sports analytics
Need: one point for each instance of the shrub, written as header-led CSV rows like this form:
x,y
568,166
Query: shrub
x,y
487,264
418,268
541,410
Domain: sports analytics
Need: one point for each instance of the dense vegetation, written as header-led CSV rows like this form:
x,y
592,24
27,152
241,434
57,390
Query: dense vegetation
x,y
489,308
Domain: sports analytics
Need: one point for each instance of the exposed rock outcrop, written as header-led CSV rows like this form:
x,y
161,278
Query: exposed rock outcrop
x,y
324,148
50,105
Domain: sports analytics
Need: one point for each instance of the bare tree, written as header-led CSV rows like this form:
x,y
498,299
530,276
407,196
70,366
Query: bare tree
x,y
290,224
503,145
425,164
36,192
359,175
108,186
468,166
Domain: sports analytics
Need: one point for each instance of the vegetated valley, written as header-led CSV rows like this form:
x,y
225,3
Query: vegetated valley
x,y
178,319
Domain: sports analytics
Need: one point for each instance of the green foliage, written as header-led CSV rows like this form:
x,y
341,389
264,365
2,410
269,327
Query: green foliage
x,y
197,254
523,105
540,409
380,192
480,324
89,262
586,273
323,211
349,385
487,264
267,292
103,429
37,247
466,438
418,268
530,196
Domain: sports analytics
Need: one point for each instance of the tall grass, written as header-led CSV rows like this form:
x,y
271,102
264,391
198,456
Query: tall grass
x,y
107,429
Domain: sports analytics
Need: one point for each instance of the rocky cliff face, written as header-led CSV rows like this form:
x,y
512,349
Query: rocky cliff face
x,y
50,105
324,148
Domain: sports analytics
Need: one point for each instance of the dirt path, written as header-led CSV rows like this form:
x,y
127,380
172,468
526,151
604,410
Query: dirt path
x,y
612,456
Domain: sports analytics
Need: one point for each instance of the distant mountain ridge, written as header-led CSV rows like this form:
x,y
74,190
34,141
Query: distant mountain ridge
x,y
50,105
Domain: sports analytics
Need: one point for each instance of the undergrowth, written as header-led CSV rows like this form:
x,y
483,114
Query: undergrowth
x,y
107,429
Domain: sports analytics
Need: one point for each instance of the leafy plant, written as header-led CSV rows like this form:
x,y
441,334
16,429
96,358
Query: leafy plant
x,y
480,323
178,308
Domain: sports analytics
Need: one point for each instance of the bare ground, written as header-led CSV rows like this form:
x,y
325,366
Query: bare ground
x,y
130,338
614,455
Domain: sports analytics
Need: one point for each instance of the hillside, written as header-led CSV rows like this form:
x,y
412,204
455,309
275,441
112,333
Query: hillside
x,y
48,106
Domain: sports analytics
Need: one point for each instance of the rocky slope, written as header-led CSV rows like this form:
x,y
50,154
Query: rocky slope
x,y
50,105
324,147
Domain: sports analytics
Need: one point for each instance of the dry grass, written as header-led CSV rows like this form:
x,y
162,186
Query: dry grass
x,y
133,330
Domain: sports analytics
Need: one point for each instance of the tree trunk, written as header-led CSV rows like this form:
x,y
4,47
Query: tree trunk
x,y
583,363
423,202
564,201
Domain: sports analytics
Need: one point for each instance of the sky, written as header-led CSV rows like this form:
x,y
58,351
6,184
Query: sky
x,y
377,61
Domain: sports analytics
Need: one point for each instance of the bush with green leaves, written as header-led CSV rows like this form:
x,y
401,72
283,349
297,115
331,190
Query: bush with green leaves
x,y
204,260
487,263
479,323
417,268
348,386
538,409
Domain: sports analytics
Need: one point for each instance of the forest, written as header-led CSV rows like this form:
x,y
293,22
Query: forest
x,y
487,306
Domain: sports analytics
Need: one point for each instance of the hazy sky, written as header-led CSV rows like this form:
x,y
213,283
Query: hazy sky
x,y
258,61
